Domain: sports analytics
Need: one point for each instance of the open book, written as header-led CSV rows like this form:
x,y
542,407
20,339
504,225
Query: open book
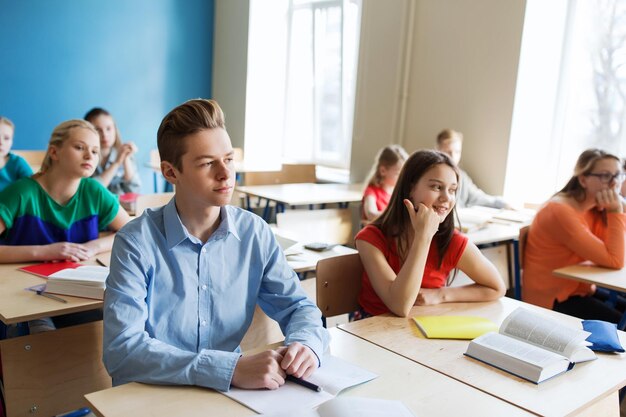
x,y
333,376
532,346
352,406
82,281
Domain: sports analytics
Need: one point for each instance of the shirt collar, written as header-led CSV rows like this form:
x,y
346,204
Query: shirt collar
x,y
176,232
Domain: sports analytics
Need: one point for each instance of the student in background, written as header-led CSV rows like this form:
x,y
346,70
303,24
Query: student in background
x,y
185,278
584,221
450,142
58,213
382,179
117,170
411,249
12,167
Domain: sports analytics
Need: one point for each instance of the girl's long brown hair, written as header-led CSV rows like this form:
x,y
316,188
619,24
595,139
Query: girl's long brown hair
x,y
395,222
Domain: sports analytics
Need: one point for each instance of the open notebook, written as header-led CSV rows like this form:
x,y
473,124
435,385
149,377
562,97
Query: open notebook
x,y
333,376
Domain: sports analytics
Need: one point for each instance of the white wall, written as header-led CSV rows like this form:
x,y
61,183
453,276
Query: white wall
x,y
461,60
230,61
423,65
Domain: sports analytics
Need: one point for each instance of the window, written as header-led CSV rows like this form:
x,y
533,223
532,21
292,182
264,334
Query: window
x,y
301,80
571,93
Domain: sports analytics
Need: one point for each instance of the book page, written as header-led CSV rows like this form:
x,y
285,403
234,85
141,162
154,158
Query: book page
x,y
333,376
83,274
543,331
518,349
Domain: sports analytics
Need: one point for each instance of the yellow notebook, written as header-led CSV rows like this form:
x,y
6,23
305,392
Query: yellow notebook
x,y
454,327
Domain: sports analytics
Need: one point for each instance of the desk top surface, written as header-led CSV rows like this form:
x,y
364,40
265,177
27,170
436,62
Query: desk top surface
x,y
565,394
422,390
306,193
17,304
493,233
614,279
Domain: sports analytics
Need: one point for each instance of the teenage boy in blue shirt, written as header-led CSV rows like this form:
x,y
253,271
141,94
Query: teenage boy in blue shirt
x,y
185,278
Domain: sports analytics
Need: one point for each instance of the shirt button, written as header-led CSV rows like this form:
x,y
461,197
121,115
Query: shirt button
x,y
203,323
204,287
203,250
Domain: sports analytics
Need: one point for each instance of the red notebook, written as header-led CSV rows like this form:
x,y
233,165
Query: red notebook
x,y
48,268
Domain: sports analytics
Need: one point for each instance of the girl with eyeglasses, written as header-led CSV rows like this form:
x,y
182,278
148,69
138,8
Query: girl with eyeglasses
x,y
584,221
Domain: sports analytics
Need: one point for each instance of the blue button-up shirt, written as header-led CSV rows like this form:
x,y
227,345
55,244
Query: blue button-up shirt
x,y
176,308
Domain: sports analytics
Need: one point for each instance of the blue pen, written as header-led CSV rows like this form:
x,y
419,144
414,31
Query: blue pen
x,y
78,413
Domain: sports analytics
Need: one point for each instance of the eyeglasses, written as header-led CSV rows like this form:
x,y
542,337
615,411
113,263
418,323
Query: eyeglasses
x,y
606,177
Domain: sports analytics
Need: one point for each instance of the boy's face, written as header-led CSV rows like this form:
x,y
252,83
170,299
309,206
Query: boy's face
x,y
452,147
208,170
6,139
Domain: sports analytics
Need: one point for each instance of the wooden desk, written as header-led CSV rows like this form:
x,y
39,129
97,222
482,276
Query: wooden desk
x,y
612,279
307,261
18,305
303,194
47,373
591,388
424,391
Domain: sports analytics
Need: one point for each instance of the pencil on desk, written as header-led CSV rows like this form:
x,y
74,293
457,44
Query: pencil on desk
x,y
53,297
304,383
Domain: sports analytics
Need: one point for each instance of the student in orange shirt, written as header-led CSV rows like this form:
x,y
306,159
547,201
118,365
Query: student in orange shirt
x,y
584,221
382,179
411,249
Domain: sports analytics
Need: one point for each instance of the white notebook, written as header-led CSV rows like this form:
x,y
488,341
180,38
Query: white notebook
x,y
333,376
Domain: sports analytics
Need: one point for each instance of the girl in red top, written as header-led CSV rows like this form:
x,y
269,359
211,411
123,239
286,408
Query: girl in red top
x,y
409,251
382,179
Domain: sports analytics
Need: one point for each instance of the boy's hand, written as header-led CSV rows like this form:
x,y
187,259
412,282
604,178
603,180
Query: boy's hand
x,y
298,360
259,371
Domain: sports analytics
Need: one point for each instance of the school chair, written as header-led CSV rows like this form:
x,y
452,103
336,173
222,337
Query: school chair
x,y
145,201
33,158
337,285
289,174
332,226
49,373
518,253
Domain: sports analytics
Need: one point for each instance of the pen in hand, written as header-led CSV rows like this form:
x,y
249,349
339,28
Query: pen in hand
x,y
304,383
53,297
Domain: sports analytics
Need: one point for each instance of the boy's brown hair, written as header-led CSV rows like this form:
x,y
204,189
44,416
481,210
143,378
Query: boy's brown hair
x,y
190,117
446,134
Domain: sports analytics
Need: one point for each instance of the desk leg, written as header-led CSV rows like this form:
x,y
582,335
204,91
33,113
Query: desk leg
x,y
267,212
517,271
48,373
